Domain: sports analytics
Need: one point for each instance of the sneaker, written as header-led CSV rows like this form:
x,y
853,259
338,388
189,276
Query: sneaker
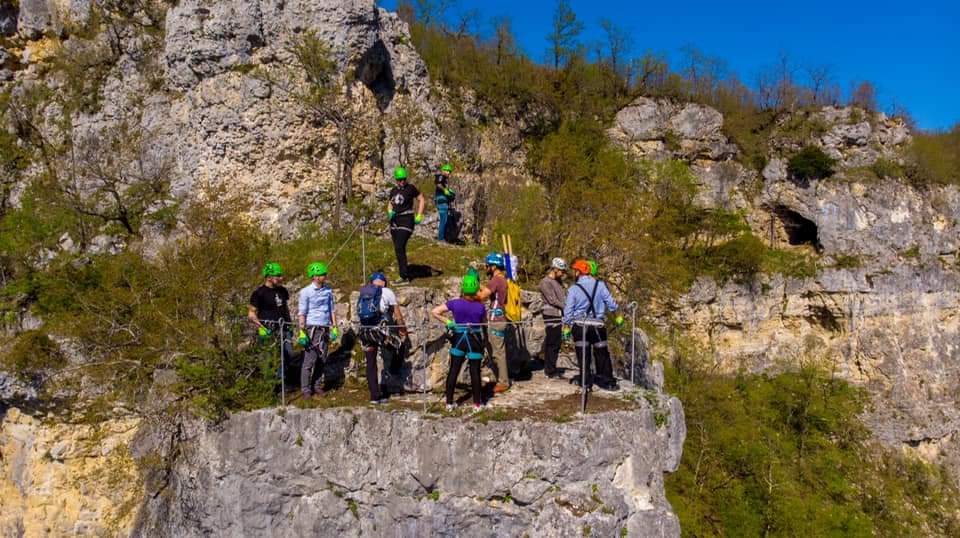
x,y
479,407
451,407
383,401
500,387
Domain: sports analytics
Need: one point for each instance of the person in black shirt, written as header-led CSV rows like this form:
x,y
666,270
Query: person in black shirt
x,y
269,311
402,217
443,196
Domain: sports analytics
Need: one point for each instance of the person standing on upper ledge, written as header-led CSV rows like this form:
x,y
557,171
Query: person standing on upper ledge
x,y
402,218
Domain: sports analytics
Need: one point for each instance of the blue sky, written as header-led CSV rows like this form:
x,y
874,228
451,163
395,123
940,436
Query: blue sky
x,y
909,49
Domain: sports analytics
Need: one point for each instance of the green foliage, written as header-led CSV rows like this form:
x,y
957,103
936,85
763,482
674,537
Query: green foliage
x,y
787,455
845,261
935,158
31,355
887,169
911,253
810,163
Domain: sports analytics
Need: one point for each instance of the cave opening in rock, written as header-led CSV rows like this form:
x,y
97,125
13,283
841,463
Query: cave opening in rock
x,y
798,229
375,72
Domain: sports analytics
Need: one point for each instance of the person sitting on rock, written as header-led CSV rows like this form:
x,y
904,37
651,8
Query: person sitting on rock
x,y
466,337
381,329
318,327
588,302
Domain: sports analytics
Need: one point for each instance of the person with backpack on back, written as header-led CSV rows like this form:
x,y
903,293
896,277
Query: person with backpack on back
x,y
402,218
588,302
443,196
496,292
317,319
381,329
269,311
554,298
466,337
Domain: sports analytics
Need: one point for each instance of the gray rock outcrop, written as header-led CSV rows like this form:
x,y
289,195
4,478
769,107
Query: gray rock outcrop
x,y
366,472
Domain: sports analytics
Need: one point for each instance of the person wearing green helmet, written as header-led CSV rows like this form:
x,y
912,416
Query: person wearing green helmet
x,y
466,337
443,196
317,319
268,309
593,268
402,218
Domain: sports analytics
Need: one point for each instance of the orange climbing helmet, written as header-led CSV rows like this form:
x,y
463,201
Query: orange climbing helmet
x,y
581,266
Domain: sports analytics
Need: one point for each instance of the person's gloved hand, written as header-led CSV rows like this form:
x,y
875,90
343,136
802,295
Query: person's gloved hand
x,y
391,213
619,321
448,192
418,218
567,333
302,339
451,325
264,333
334,334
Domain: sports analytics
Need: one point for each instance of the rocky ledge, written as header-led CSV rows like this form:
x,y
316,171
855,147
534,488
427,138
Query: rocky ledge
x,y
351,472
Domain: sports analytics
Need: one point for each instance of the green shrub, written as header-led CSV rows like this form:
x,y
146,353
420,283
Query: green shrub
x,y
31,355
887,169
787,455
810,163
935,158
845,261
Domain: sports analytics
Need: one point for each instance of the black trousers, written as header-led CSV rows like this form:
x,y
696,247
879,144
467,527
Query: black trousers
x,y
591,346
400,231
456,364
551,343
392,361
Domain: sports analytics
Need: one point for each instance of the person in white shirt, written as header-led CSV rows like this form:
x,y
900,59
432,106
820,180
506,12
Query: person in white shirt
x,y
381,330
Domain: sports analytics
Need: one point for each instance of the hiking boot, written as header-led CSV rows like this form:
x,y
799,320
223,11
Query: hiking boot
x,y
500,388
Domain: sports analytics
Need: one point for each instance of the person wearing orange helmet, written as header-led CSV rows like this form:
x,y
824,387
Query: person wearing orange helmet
x,y
588,302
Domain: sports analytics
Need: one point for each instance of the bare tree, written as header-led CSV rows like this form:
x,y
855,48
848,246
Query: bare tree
x,y
505,43
864,95
651,72
565,29
618,44
702,72
433,12
405,121
118,174
329,99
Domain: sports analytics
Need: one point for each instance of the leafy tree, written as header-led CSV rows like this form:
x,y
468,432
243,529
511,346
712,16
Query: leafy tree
x,y
810,163
565,29
405,123
864,95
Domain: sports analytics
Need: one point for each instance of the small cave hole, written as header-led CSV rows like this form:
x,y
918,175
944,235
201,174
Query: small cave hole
x,y
375,72
822,316
798,229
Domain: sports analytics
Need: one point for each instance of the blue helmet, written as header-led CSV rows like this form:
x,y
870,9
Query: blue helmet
x,y
378,276
496,259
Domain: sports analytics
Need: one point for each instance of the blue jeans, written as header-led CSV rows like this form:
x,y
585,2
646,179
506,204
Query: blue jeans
x,y
442,226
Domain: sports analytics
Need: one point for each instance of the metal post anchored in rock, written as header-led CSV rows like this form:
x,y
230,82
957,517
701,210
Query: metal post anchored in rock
x,y
633,342
283,374
423,347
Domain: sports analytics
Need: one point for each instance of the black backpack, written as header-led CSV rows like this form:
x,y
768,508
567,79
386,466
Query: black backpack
x,y
368,305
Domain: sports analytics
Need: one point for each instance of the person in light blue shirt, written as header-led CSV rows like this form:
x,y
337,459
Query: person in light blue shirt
x,y
588,302
317,318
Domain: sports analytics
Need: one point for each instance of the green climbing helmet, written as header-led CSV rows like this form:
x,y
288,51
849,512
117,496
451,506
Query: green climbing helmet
x,y
593,267
470,285
316,269
448,168
272,269
399,173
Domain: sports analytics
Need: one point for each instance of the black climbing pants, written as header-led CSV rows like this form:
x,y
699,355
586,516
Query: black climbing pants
x,y
594,338
400,231
551,343
456,364
391,363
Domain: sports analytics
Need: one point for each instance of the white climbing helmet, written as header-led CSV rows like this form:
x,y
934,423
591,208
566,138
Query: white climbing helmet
x,y
559,264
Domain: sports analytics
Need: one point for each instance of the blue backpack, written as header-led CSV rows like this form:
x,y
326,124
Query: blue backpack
x,y
368,305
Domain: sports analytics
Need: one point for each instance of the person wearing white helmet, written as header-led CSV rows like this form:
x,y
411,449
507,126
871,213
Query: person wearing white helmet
x,y
554,297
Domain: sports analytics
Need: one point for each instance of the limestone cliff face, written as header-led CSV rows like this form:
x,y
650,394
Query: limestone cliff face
x,y
67,480
882,309
366,472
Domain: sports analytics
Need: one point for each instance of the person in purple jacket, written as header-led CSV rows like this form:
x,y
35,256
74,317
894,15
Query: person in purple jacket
x,y
466,337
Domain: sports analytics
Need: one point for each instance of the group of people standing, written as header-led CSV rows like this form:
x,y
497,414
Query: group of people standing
x,y
476,321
